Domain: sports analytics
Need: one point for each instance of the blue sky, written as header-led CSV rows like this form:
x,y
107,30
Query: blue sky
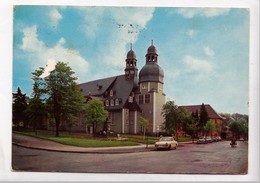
x,y
204,52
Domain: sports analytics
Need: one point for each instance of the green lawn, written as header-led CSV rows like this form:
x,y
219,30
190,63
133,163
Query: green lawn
x,y
69,139
81,142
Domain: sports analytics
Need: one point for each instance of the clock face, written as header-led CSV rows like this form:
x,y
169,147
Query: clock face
x,y
132,72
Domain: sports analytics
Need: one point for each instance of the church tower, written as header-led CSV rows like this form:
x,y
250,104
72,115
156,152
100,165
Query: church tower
x,y
131,68
152,98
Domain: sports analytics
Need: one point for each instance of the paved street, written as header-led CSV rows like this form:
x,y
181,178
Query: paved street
x,y
213,158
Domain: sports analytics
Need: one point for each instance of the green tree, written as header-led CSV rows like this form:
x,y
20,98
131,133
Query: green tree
x,y
203,117
95,113
235,128
193,127
19,107
63,98
144,124
186,119
210,127
36,110
174,117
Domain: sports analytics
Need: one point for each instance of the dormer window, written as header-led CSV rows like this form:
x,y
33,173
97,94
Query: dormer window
x,y
107,102
112,102
99,87
117,101
111,93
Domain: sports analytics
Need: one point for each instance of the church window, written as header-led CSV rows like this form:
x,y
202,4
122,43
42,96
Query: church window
x,y
127,117
112,102
141,99
147,98
110,118
107,102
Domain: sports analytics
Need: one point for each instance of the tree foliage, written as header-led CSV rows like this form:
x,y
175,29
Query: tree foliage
x,y
239,127
144,123
36,110
174,117
60,92
203,117
19,107
210,127
95,113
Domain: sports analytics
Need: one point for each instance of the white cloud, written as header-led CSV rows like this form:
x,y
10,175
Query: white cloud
x,y
191,33
122,29
198,65
39,54
202,12
49,67
208,51
55,17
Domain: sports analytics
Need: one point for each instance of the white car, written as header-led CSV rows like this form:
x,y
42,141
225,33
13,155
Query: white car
x,y
166,143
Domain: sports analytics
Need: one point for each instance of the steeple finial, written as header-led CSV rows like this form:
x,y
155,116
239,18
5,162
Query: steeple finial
x,y
152,42
131,46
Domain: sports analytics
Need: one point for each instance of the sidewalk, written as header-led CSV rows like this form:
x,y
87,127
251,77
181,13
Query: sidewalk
x,y
41,144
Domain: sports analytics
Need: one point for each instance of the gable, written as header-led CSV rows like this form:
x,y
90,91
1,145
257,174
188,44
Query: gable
x,y
212,114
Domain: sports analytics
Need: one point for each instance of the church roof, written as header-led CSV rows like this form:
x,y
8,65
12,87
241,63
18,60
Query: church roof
x,y
151,72
97,87
212,114
101,88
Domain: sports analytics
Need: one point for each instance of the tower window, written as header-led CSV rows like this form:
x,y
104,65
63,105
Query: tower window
x,y
141,99
147,98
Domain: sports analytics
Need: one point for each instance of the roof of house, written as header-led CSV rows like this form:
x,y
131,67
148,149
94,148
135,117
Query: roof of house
x,y
101,88
212,114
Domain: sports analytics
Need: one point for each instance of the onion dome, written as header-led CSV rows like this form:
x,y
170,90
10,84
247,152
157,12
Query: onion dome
x,y
152,50
131,55
151,72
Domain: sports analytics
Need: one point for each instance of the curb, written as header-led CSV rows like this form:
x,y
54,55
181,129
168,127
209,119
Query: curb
x,y
112,151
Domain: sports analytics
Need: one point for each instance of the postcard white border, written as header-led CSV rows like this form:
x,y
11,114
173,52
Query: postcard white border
x,y
6,46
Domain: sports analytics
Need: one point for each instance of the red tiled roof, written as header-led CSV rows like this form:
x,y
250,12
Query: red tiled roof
x,y
212,114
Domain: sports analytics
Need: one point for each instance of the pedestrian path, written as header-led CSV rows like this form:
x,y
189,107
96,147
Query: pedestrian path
x,y
41,144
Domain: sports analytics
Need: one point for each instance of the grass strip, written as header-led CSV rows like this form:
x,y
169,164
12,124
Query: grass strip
x,y
80,142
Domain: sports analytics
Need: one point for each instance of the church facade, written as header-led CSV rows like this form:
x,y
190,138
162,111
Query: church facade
x,y
128,96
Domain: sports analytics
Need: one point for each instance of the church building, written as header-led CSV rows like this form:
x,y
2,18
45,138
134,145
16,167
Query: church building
x,y
128,96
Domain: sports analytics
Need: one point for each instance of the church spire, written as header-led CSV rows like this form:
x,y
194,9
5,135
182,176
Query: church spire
x,y
131,66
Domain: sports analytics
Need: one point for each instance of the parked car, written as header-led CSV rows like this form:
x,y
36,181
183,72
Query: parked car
x,y
216,138
209,139
166,143
202,140
219,138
